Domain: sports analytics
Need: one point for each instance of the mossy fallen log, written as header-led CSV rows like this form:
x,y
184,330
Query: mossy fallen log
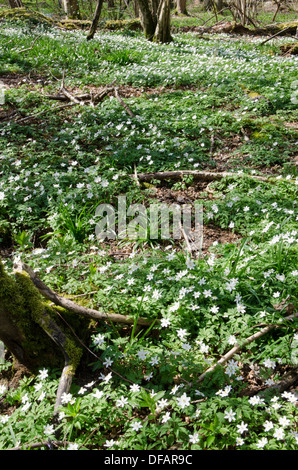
x,y
70,24
231,27
34,17
116,25
289,49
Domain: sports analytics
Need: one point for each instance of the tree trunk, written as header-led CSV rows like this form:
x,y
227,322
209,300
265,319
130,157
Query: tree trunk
x,y
155,21
154,8
163,30
15,3
95,20
136,8
29,328
147,19
71,9
181,7
39,335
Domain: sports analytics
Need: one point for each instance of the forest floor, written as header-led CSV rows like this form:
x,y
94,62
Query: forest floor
x,y
206,106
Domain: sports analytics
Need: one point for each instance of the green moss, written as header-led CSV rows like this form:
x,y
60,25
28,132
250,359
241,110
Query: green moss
x,y
23,13
291,48
34,317
31,295
44,315
70,24
74,352
290,24
115,25
14,305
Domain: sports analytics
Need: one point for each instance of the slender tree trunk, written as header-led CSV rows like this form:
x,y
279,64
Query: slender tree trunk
x,y
163,30
276,11
15,3
95,20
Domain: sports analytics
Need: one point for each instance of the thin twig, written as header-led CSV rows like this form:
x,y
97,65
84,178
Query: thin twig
x,y
37,445
238,347
127,109
28,48
32,116
136,175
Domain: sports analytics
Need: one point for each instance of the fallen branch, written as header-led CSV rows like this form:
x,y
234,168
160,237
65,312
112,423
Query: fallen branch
x,y
102,94
136,176
274,35
28,48
83,98
231,27
70,96
79,309
67,93
32,116
285,383
188,247
186,238
56,97
206,176
127,109
238,347
36,445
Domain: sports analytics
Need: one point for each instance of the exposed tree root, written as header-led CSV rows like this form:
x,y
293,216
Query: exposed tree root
x,y
71,352
76,308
